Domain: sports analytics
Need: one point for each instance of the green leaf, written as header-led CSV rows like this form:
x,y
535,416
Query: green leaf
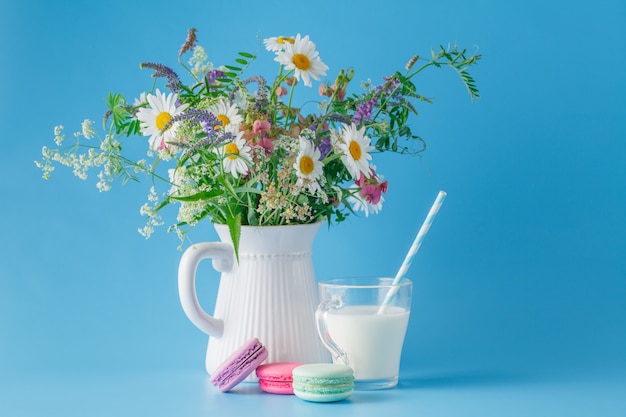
x,y
203,195
227,185
234,228
252,216
249,190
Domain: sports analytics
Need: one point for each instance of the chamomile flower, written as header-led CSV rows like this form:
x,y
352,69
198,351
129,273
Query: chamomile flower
x,y
140,100
177,176
236,154
227,114
277,43
155,117
308,165
360,203
355,147
303,59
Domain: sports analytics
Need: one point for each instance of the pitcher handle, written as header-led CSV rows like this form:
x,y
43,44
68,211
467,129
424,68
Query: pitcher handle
x,y
223,256
335,303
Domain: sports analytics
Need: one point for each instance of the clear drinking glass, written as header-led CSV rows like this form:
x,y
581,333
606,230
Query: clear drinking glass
x,y
362,322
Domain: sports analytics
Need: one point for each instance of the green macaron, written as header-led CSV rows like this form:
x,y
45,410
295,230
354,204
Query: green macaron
x,y
323,382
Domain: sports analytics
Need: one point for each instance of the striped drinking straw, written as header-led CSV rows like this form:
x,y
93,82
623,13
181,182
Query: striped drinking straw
x,y
413,250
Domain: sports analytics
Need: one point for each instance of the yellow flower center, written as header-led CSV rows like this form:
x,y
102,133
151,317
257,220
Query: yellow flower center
x,y
284,39
223,119
301,62
355,150
232,150
306,165
162,119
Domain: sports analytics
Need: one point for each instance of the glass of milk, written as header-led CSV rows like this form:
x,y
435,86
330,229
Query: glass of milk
x,y
362,333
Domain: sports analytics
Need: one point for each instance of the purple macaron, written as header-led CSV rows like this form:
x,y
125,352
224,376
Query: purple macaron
x,y
239,365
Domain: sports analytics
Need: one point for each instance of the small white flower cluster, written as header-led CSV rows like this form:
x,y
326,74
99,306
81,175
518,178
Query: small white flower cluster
x,y
81,157
184,182
79,162
149,209
58,135
46,163
87,130
199,62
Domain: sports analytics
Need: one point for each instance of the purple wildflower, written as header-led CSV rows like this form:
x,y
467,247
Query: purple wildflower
x,y
321,139
160,70
256,79
213,75
189,42
261,100
218,137
324,147
388,87
364,110
206,119
339,118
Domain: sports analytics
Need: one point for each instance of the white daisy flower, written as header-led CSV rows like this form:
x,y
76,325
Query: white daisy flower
x,y
277,43
236,155
154,118
228,115
355,147
308,165
140,100
302,57
361,204
177,176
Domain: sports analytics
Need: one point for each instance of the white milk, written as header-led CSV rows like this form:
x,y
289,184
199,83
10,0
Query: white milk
x,y
372,341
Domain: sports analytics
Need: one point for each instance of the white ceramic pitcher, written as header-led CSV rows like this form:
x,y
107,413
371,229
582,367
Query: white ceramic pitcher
x,y
270,294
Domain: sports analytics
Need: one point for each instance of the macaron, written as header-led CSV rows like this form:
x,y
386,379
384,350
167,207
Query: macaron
x,y
276,377
239,365
323,382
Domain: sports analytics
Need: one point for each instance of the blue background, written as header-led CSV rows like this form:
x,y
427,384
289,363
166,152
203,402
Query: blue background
x,y
520,285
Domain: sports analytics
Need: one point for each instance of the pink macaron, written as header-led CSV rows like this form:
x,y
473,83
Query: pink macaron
x,y
276,378
239,365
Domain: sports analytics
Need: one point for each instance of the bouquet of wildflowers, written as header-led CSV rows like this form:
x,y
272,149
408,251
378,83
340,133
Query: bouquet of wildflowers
x,y
240,152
